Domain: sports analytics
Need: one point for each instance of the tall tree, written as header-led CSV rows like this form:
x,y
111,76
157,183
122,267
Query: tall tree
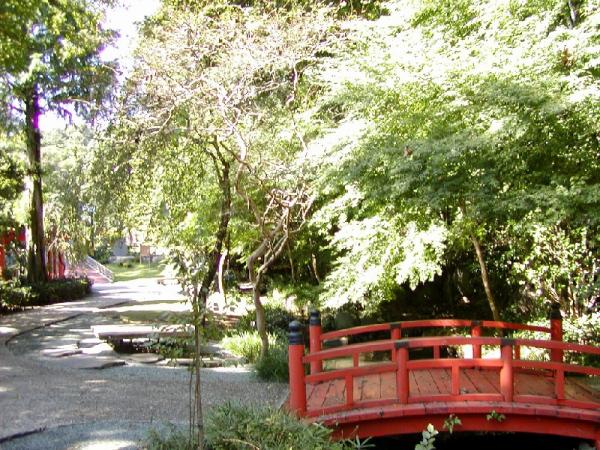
x,y
49,58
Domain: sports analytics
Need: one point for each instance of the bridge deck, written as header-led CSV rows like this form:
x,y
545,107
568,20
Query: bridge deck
x,y
429,383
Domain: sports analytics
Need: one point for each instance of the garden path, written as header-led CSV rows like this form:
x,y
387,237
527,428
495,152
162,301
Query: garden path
x,y
52,396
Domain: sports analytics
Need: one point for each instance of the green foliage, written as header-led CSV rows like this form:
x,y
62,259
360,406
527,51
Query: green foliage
x,y
245,344
473,139
14,295
134,270
11,184
428,439
231,427
498,417
171,438
450,422
277,317
275,365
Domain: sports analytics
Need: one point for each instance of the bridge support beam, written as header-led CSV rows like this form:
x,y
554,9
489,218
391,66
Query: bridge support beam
x,y
314,331
295,355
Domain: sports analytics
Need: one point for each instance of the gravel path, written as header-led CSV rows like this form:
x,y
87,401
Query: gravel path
x,y
42,393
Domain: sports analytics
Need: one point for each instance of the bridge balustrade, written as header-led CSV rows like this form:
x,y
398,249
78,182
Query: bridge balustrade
x,y
507,364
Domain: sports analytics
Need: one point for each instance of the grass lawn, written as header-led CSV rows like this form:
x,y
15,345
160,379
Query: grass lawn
x,y
124,273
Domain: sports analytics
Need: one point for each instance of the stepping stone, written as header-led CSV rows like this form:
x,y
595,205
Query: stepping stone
x,y
176,362
145,358
102,349
60,352
91,362
89,342
212,362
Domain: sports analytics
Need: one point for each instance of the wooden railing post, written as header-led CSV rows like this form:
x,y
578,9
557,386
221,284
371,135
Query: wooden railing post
x,y
296,367
506,372
476,333
314,332
556,332
402,383
395,334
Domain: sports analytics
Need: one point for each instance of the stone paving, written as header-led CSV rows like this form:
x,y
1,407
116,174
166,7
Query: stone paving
x,y
55,372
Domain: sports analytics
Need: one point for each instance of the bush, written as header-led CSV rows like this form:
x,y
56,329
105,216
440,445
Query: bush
x,y
235,427
14,295
274,367
278,319
66,289
172,438
247,345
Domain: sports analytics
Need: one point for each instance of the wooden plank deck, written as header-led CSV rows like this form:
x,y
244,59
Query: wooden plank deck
x,y
431,382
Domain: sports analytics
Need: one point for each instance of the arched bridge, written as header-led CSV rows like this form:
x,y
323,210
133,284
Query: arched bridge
x,y
391,383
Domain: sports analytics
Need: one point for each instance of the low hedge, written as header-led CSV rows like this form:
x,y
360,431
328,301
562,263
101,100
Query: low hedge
x,y
16,296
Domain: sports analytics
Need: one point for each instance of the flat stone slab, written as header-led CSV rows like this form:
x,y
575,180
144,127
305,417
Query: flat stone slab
x,y
145,358
61,352
109,332
89,342
91,362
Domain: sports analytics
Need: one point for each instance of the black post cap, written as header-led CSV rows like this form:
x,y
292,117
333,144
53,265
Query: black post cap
x,y
295,335
315,317
555,311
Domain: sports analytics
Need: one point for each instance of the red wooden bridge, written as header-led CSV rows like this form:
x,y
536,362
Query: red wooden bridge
x,y
399,384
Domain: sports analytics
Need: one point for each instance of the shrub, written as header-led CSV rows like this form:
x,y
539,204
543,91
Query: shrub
x,y
171,438
247,345
277,318
62,290
233,427
14,295
274,367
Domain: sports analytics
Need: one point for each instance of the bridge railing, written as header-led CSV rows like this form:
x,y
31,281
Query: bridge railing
x,y
401,365
396,329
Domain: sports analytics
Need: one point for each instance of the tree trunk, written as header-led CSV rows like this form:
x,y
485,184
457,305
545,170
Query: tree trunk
x,y
220,283
485,278
37,260
261,320
199,420
291,260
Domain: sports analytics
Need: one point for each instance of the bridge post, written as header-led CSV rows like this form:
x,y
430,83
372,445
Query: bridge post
x,y
296,367
506,372
556,332
402,383
476,332
314,332
396,334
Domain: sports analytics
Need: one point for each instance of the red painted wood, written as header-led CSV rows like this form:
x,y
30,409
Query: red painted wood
x,y
476,332
556,334
296,377
402,386
373,396
506,373
355,371
384,425
349,385
315,346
